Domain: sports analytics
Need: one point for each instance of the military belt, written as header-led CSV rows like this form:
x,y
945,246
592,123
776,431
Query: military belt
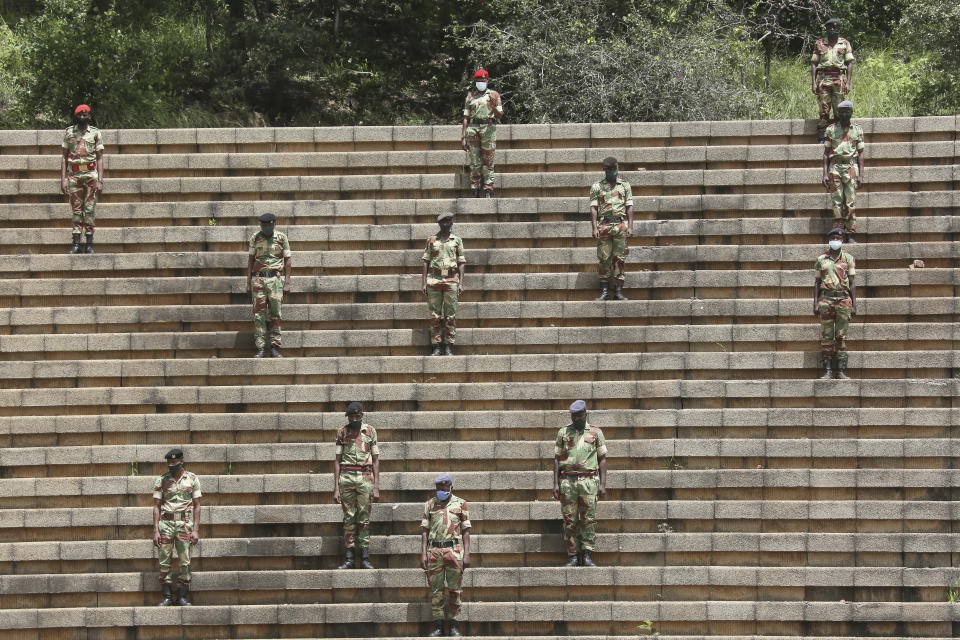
x,y
83,166
179,515
830,72
482,121
834,295
267,274
578,474
447,273
352,467
445,543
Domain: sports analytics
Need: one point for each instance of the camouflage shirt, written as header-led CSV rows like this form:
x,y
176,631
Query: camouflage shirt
x,y
82,147
445,522
611,200
835,274
477,106
444,257
843,143
831,57
176,495
580,451
269,253
360,449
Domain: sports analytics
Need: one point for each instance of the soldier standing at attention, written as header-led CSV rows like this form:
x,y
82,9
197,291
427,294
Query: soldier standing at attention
x,y
356,483
176,523
442,283
81,175
843,169
831,73
834,302
611,216
482,111
269,253
580,454
445,551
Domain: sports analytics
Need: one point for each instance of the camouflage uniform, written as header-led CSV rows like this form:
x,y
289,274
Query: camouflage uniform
x,y
443,258
835,303
445,525
831,64
176,522
611,202
356,483
82,148
843,144
578,453
269,254
482,136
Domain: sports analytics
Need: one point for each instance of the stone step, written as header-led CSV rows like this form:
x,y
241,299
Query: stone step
x,y
711,207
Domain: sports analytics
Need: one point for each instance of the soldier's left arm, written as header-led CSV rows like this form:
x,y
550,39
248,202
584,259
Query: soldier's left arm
x,y
461,265
628,200
849,59
466,548
851,274
375,493
602,464
287,264
100,169
860,147
195,534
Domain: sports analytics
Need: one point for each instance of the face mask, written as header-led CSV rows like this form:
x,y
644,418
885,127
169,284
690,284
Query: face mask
x,y
83,120
611,175
446,226
580,424
442,496
481,86
844,118
836,244
175,468
266,230
355,424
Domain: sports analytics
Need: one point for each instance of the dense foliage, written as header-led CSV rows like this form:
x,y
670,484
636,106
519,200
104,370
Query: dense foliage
x,y
142,63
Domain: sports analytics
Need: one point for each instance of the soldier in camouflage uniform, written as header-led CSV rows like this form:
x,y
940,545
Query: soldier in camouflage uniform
x,y
579,456
481,112
176,524
834,302
356,483
269,253
843,169
611,216
445,551
442,283
81,175
831,73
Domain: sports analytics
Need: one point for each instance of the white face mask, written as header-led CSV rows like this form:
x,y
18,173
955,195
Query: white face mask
x,y
836,244
481,86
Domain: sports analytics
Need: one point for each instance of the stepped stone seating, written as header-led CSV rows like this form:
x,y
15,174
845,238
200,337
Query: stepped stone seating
x,y
746,498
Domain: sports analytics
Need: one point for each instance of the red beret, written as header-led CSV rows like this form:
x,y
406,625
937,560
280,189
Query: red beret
x,y
482,73
81,107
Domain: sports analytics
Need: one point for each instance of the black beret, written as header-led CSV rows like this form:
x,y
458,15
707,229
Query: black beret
x,y
267,217
836,232
354,407
174,453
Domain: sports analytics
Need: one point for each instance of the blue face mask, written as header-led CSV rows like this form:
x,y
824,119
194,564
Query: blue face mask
x,y
611,175
442,496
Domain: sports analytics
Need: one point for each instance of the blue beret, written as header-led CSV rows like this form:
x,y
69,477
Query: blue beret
x,y
578,406
443,477
267,217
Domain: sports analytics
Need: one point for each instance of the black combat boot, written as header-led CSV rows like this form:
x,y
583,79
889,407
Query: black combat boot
x,y
261,352
476,192
182,599
76,244
348,563
618,292
275,352
821,136
365,559
587,560
842,370
437,629
448,349
167,595
604,291
488,193
827,369
849,238
437,349
454,631
574,561
89,247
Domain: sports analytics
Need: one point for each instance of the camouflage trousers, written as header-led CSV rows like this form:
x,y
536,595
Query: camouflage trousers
x,y
829,95
445,571
174,534
482,140
267,300
442,302
82,190
834,323
355,490
843,193
578,504
611,249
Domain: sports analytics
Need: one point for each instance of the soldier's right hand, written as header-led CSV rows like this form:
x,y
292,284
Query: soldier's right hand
x,y
423,289
463,143
156,539
556,492
248,286
336,495
63,186
816,312
423,561
826,181
813,88
596,233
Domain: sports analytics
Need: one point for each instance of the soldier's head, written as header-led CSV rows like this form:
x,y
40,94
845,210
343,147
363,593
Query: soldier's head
x,y
832,27
354,415
444,485
481,78
610,168
445,220
835,239
845,112
174,459
267,223
82,114
578,414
